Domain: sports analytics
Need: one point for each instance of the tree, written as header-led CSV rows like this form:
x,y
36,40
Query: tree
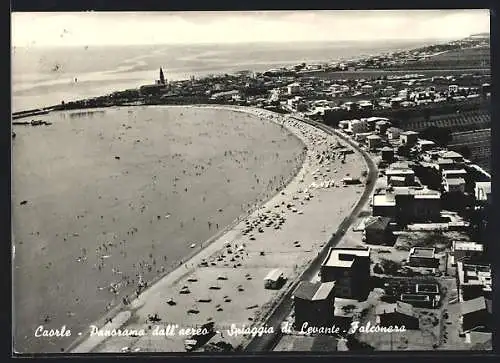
x,y
465,151
440,135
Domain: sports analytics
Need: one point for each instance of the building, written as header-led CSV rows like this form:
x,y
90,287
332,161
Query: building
x,y
358,126
382,126
418,207
225,96
297,103
378,231
343,317
419,301
454,185
374,141
387,154
384,205
473,280
425,145
479,338
361,137
453,174
453,155
314,304
152,89
398,181
349,268
344,124
423,257
466,251
367,88
293,89
365,105
162,77
475,314
408,138
397,314
406,173
408,205
274,279
445,164
482,192
393,133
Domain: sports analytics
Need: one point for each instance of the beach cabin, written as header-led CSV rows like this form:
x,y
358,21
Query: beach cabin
x,y
274,279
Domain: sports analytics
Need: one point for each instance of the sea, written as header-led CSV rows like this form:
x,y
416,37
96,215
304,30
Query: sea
x,y
103,196
45,76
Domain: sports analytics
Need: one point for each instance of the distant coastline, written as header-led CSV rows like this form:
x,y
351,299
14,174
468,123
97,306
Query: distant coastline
x,y
231,67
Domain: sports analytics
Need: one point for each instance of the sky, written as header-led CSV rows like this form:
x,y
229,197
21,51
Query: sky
x,y
141,28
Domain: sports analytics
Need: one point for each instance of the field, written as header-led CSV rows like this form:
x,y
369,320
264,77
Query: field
x,y
470,57
458,122
374,74
462,58
479,144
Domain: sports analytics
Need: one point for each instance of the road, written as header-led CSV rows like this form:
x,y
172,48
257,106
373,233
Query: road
x,y
267,342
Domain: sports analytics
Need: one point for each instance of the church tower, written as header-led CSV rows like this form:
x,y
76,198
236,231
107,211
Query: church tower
x,y
162,77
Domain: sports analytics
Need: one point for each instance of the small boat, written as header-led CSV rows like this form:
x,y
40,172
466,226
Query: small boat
x,y
193,245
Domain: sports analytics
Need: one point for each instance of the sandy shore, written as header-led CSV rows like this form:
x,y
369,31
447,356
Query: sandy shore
x,y
224,281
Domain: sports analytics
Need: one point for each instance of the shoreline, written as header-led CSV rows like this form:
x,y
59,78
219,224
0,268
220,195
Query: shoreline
x,y
363,73
235,215
84,344
254,112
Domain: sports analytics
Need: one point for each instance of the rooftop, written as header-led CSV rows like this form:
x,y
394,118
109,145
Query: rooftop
x,y
397,178
466,246
450,155
422,252
391,171
374,118
274,275
409,133
426,142
454,172
471,306
394,129
344,257
455,181
398,307
442,161
383,200
474,274
309,291
377,223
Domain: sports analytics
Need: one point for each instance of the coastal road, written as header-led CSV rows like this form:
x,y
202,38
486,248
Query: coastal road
x,y
267,342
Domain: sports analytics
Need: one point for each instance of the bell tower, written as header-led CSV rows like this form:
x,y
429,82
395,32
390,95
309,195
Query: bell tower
x,y
162,77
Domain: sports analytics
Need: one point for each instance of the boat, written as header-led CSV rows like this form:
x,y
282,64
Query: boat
x,y
193,245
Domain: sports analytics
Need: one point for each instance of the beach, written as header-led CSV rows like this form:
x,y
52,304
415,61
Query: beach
x,y
103,199
223,283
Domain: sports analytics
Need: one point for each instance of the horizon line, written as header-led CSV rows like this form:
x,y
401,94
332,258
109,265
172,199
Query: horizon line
x,y
240,42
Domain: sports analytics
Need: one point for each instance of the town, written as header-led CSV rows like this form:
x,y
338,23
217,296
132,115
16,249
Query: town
x,y
417,255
